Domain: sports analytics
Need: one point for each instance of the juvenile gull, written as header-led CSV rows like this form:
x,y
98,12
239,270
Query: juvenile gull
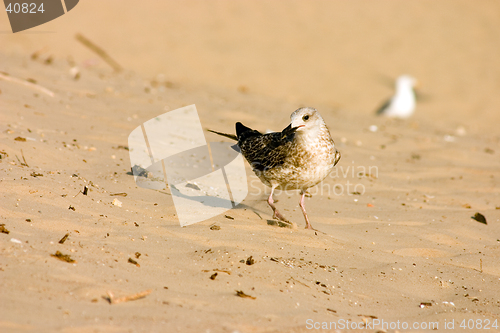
x,y
297,158
402,104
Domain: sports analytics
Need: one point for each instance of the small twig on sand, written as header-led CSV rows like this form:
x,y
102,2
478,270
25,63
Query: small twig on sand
x,y
302,283
240,293
25,163
7,77
222,271
63,257
65,237
112,300
121,194
100,52
257,214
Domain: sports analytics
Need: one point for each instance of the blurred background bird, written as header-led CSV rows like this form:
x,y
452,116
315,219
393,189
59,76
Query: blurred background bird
x,y
402,104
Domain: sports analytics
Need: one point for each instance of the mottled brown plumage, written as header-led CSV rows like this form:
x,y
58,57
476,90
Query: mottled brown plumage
x,y
297,158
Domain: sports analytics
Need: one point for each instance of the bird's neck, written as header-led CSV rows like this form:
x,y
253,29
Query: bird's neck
x,y
403,89
313,135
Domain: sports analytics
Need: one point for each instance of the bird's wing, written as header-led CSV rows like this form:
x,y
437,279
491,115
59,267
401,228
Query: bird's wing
x,y
265,151
384,106
243,132
230,136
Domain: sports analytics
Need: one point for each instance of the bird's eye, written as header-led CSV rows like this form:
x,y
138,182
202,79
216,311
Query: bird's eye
x,y
305,118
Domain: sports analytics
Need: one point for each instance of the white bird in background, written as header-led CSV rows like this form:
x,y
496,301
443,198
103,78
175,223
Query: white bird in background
x,y
402,104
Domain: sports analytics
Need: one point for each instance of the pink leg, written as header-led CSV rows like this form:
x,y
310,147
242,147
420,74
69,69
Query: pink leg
x,y
301,204
276,214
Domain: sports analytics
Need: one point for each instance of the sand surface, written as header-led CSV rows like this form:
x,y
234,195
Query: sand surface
x,y
396,241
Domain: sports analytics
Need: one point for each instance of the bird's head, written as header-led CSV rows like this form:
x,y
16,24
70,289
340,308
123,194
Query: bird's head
x,y
306,120
405,82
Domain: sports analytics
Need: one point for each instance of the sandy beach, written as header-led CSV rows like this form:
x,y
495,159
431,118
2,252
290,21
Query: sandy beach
x,y
396,249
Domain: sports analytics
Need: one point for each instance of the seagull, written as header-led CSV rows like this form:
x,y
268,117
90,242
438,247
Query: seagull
x,y
297,158
402,104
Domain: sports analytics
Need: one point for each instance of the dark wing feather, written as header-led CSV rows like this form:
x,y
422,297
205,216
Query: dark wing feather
x,y
243,132
384,106
230,136
264,151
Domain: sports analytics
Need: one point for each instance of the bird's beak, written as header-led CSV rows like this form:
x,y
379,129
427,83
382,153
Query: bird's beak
x,y
292,129
289,130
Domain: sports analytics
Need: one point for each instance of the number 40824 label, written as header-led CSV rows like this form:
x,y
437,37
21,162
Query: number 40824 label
x,y
24,8
479,324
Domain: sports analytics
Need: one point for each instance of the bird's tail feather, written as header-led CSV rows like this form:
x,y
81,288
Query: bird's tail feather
x,y
230,136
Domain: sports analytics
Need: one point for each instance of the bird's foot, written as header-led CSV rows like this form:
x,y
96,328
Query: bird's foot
x,y
309,227
277,215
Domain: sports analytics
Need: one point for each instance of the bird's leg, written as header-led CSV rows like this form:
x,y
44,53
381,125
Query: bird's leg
x,y
301,204
276,214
